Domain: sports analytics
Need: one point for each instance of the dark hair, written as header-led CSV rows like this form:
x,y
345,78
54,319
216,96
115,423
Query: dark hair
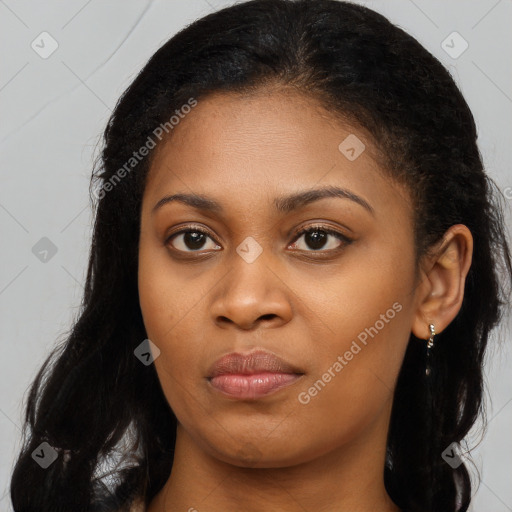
x,y
92,390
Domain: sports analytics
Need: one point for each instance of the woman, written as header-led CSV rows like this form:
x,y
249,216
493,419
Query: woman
x,y
292,280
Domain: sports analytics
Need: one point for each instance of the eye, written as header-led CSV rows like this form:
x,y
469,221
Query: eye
x,y
192,238
317,236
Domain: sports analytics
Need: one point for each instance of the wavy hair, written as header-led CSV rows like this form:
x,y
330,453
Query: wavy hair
x,y
93,396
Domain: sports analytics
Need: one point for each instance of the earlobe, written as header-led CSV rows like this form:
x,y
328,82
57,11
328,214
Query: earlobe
x,y
441,292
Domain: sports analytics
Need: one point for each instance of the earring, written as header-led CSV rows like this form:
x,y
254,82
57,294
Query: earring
x,y
430,344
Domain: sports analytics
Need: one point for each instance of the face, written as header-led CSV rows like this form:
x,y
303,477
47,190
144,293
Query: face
x,y
336,302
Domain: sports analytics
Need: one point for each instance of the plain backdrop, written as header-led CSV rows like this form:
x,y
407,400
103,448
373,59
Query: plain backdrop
x,y
55,106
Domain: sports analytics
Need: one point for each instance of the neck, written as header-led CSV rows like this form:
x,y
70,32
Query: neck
x,y
349,478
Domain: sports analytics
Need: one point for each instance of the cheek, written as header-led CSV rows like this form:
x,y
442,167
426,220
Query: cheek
x,y
164,299
170,306
370,290
367,310
175,332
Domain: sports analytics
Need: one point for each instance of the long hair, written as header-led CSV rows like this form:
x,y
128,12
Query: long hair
x,y
92,394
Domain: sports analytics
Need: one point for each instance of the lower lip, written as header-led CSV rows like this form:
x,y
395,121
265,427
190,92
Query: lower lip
x,y
252,386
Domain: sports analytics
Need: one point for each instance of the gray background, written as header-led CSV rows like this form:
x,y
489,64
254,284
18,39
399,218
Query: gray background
x,y
54,109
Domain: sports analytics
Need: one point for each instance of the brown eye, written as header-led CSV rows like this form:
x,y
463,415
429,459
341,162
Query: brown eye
x,y
317,237
190,240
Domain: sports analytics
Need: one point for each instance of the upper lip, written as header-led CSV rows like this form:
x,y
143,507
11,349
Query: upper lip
x,y
251,363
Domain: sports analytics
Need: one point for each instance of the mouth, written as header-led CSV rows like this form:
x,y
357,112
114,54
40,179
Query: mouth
x,y
252,376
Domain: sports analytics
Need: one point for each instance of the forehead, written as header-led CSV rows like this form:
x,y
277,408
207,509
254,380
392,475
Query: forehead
x,y
245,148
272,125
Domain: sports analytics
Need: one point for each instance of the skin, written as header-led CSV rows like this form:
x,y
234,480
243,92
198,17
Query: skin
x,y
276,453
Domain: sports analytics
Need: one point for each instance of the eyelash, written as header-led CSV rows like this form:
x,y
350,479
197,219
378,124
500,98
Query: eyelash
x,y
318,227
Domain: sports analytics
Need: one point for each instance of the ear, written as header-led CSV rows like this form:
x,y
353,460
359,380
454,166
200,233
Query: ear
x,y
442,280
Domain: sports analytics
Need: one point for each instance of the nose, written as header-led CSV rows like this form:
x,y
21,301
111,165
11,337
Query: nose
x,y
251,295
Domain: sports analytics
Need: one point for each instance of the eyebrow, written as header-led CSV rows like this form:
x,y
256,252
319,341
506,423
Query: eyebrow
x,y
283,204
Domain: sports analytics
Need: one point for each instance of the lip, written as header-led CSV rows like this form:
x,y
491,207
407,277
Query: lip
x,y
252,375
